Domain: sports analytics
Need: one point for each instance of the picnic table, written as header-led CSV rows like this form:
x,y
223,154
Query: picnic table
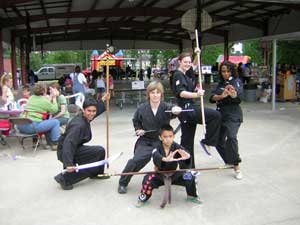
x,y
130,96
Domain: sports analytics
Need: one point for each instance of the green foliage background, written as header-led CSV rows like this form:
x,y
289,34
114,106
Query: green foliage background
x,y
288,52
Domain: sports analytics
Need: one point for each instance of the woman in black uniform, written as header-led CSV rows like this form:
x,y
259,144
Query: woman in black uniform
x,y
227,96
184,86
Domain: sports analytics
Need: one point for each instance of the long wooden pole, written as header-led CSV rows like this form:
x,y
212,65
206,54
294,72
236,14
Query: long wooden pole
x,y
167,171
107,109
198,51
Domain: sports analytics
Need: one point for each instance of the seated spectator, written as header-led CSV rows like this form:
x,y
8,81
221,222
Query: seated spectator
x,y
62,115
26,95
68,86
37,109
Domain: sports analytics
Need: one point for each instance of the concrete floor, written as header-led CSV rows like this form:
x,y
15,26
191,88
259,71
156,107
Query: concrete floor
x,y
268,195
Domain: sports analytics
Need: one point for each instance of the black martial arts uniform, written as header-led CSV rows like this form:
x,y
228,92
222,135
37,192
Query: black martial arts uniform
x,y
156,180
71,150
189,120
232,117
145,119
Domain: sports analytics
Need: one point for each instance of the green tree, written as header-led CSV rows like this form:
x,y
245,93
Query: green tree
x,y
35,61
210,53
57,57
253,49
167,55
288,52
154,56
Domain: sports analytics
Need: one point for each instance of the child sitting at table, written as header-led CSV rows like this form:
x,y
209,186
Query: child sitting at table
x,y
7,94
26,95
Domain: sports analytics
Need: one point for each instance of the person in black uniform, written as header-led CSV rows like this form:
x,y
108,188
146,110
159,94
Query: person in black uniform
x,y
184,87
71,150
167,156
227,96
147,120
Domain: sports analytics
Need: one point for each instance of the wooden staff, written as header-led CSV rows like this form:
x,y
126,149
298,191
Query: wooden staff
x,y
107,109
198,51
167,171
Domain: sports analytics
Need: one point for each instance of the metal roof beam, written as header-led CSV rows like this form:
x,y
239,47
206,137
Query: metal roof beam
x,y
45,3
130,25
107,35
286,4
44,12
143,11
39,8
150,4
117,5
246,21
91,9
11,3
174,6
68,11
19,14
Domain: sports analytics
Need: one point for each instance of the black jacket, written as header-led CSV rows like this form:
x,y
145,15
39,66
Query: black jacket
x,y
159,153
77,133
229,107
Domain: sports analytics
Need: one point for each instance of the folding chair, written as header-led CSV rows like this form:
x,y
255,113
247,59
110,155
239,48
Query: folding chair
x,y
4,130
15,121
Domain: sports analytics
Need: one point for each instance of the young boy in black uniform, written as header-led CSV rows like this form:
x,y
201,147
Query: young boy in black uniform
x,y
167,156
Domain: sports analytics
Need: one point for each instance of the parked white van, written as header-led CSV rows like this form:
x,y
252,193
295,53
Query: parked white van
x,y
55,71
206,69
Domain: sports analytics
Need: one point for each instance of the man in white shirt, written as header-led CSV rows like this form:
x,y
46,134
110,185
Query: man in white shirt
x,y
79,81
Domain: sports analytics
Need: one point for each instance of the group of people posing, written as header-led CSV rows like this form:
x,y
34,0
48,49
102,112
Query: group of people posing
x,y
155,141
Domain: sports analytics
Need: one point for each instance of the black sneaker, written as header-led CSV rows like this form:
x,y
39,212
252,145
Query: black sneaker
x,y
60,179
205,148
122,189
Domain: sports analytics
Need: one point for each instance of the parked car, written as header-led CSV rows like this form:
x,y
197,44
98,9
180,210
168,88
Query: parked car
x,y
206,69
55,71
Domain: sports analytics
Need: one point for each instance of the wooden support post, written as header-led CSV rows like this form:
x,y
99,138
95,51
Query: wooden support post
x,y
23,61
13,59
1,55
226,51
107,108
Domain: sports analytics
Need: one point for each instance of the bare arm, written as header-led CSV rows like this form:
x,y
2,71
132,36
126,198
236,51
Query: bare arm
x,y
61,113
187,94
4,95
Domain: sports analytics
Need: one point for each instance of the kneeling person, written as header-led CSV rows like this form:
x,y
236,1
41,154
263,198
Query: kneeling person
x,y
71,150
167,156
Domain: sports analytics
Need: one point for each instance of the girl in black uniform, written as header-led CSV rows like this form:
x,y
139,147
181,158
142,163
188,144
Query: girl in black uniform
x,y
147,120
184,86
228,98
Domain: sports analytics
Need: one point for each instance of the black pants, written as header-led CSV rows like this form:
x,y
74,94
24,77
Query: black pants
x,y
152,181
86,154
228,143
142,155
188,128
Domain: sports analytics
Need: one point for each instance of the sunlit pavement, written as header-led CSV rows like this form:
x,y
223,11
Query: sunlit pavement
x,y
267,195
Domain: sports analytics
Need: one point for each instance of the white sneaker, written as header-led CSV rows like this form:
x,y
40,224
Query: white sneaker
x,y
238,175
